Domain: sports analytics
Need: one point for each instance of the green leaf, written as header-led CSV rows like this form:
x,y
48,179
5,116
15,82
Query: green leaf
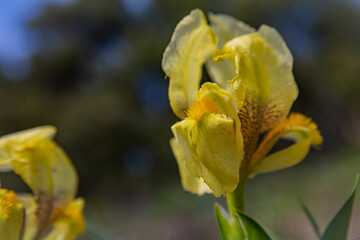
x,y
339,225
252,230
242,228
311,219
229,228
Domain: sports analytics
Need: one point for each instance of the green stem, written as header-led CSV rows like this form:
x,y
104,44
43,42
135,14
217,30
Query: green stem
x,y
235,200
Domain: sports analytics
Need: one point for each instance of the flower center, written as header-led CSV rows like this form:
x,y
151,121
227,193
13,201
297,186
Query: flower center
x,y
199,108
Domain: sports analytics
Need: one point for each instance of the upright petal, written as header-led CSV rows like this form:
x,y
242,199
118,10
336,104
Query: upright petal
x,y
189,182
225,28
14,141
278,44
190,46
47,170
264,85
11,215
298,128
28,135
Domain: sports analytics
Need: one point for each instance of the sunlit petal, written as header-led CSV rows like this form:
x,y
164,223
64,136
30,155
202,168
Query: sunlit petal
x,y
49,173
190,46
210,150
264,85
14,141
47,170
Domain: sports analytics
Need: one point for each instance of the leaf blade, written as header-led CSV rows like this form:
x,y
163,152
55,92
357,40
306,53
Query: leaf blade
x,y
241,227
252,230
339,225
229,229
311,218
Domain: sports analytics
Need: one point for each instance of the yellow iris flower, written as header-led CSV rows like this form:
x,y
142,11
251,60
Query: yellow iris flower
x,y
52,212
217,142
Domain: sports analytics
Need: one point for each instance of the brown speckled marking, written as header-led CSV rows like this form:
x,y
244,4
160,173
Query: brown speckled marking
x,y
250,118
43,213
273,113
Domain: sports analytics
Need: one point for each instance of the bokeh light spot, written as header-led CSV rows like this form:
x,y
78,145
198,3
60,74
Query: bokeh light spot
x,y
137,8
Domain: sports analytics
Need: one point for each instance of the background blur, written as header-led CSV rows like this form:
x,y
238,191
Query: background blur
x,y
92,68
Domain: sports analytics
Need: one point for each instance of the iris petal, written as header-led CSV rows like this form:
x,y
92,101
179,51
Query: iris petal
x,y
264,86
70,224
189,182
190,46
47,170
210,150
14,141
226,28
297,128
11,215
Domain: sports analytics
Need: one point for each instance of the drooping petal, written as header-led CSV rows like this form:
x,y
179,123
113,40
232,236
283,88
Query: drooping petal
x,y
264,85
296,127
210,139
14,141
190,46
47,170
210,150
225,104
70,222
11,215
189,182
225,28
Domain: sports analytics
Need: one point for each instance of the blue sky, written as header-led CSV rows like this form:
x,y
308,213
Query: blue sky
x,y
17,43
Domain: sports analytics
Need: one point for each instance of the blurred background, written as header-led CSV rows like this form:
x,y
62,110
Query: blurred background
x,y
92,68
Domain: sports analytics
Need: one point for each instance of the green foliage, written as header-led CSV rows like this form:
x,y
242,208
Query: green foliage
x,y
245,228
242,228
311,219
228,229
338,228
339,225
